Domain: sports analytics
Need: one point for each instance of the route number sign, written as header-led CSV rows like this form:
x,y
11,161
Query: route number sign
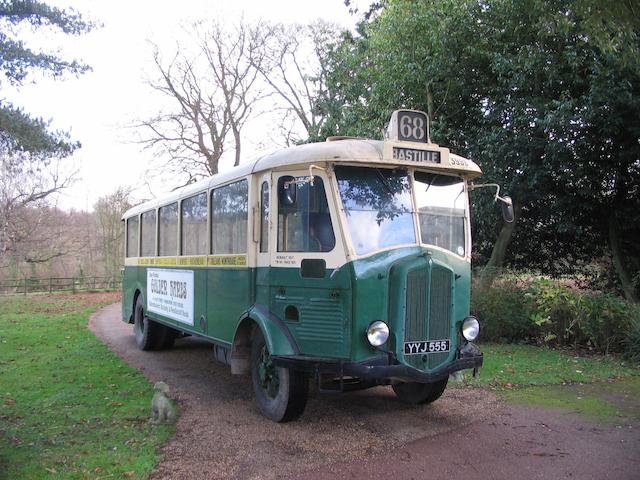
x,y
412,126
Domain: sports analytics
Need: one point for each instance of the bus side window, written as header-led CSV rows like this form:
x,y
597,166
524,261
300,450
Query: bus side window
x,y
264,217
306,225
132,236
230,206
194,225
168,229
148,234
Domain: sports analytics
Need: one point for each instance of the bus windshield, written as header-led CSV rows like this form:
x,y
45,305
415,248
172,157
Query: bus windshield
x,y
379,210
377,203
442,203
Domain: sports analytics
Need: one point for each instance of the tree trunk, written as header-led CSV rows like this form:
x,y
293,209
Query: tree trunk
x,y
617,255
236,136
499,252
429,110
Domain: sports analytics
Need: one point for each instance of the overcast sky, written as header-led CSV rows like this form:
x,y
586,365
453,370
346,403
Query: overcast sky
x,y
98,106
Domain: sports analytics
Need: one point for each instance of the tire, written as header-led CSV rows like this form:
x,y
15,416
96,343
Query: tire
x,y
147,332
420,393
281,393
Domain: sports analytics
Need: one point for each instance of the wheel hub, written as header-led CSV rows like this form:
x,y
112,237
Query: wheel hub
x,y
268,374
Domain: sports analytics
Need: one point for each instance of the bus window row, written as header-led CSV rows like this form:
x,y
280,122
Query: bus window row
x,y
304,222
160,228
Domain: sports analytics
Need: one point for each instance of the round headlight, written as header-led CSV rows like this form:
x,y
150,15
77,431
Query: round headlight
x,y
377,333
470,328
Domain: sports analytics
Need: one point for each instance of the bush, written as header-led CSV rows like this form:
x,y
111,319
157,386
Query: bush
x,y
504,314
632,340
544,311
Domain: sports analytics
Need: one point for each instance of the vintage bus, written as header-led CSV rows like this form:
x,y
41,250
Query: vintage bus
x,y
346,262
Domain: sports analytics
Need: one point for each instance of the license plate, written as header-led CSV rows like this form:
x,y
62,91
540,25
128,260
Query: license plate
x,y
430,346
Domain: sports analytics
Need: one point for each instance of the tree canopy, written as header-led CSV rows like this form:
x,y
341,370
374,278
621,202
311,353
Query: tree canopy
x,y
30,151
543,94
18,130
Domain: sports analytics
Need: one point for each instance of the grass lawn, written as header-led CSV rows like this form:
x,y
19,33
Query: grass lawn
x,y
69,408
507,366
614,402
596,387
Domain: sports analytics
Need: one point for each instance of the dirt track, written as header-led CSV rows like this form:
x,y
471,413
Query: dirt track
x,y
369,434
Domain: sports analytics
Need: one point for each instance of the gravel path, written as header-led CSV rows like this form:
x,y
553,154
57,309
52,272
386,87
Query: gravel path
x,y
361,435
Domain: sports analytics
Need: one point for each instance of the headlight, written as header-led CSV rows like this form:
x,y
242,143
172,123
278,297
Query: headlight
x,y
470,328
377,333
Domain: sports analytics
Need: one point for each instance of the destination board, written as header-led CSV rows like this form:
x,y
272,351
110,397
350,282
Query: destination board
x,y
416,155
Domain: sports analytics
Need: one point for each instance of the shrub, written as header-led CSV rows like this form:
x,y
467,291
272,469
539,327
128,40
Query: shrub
x,y
504,313
632,340
544,311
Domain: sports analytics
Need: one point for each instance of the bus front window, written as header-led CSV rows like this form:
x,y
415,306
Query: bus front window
x,y
377,203
441,202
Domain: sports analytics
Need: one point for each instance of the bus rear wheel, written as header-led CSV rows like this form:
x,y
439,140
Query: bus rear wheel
x,y
146,331
420,393
281,393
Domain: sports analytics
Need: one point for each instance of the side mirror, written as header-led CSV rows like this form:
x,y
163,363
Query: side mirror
x,y
287,190
507,209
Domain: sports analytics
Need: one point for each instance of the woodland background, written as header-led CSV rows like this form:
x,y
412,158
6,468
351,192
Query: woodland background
x,y
542,94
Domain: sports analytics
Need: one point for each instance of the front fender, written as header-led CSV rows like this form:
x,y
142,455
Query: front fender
x,y
278,337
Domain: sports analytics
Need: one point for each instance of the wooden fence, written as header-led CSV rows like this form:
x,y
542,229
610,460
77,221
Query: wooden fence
x,y
58,284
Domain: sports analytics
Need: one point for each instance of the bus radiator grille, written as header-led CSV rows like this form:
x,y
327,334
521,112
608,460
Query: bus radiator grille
x,y
440,311
428,312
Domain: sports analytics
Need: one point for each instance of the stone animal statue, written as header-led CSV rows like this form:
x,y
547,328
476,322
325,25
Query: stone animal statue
x,y
162,410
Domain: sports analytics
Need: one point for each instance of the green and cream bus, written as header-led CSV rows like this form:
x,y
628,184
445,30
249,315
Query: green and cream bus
x,y
345,262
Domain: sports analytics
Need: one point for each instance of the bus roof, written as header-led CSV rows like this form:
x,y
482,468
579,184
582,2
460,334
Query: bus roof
x,y
341,150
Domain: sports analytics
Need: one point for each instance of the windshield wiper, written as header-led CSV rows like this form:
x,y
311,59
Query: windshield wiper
x,y
433,179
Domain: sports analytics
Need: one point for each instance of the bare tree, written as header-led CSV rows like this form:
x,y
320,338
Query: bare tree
x,y
108,213
26,181
214,92
295,68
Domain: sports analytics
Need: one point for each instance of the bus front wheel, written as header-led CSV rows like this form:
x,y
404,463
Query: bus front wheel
x,y
420,393
281,393
147,332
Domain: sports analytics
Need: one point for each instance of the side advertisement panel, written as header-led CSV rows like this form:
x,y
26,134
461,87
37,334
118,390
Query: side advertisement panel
x,y
170,293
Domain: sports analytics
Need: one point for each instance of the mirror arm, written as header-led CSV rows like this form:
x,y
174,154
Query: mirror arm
x,y
497,196
308,180
311,176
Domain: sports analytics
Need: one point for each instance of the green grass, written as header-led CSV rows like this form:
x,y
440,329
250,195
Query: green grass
x,y
605,389
507,366
612,402
69,408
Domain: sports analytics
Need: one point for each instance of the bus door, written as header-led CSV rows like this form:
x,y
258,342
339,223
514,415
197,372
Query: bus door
x,y
262,229
307,289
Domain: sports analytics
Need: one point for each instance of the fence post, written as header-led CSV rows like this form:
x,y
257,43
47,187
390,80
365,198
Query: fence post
x,y
50,289
25,285
73,284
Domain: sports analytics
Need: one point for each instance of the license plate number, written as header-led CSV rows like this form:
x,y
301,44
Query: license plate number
x,y
430,346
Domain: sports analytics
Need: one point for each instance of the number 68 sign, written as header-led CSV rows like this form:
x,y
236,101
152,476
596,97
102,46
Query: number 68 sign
x,y
411,126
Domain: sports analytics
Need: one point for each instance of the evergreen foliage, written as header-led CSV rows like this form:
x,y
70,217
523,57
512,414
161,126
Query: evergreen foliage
x,y
543,94
19,132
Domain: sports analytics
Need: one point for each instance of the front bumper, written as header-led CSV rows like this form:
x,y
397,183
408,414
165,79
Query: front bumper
x,y
382,367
